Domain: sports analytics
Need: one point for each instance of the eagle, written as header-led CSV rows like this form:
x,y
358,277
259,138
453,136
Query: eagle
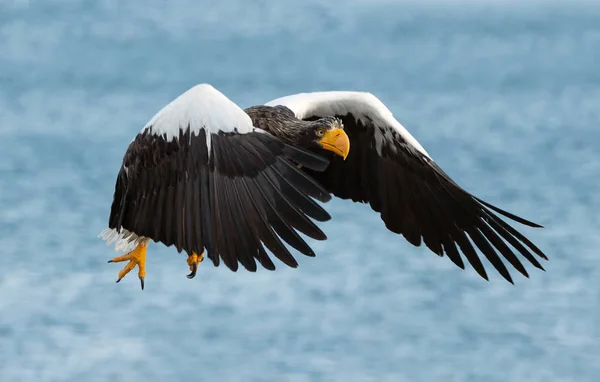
x,y
207,177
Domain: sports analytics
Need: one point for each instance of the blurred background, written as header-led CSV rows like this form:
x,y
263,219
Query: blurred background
x,y
504,95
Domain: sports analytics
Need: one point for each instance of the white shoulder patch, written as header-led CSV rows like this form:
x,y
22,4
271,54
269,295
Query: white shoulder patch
x,y
201,107
361,105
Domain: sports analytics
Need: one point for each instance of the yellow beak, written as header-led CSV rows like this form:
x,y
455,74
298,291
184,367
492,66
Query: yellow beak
x,y
336,141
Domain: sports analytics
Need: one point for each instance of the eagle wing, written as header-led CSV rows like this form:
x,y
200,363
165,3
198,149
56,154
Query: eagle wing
x,y
200,176
390,170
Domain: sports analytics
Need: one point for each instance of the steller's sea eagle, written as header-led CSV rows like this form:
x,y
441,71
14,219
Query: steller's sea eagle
x,y
205,175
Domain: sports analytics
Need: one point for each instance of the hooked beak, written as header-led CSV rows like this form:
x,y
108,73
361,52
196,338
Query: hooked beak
x,y
336,141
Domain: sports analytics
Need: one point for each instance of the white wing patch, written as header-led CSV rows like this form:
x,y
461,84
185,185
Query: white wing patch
x,y
201,107
362,105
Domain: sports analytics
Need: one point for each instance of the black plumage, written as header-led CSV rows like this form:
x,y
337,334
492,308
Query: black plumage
x,y
417,199
242,196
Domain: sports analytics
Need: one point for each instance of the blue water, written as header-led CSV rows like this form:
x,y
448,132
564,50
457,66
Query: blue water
x,y
505,96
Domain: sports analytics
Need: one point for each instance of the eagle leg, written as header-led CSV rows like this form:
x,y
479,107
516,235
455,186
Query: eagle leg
x,y
193,261
135,257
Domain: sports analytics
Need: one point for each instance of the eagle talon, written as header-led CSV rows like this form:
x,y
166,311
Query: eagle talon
x,y
193,260
193,273
135,257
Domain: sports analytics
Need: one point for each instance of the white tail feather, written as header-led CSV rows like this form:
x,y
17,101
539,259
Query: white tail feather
x,y
124,241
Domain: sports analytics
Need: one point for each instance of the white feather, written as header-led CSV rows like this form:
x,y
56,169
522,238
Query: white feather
x,y
360,104
201,107
125,241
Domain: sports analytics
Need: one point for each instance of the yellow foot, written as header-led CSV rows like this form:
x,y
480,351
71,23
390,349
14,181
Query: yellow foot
x,y
135,257
193,260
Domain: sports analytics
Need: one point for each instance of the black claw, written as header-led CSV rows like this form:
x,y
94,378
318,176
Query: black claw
x,y
118,280
110,261
193,273
142,282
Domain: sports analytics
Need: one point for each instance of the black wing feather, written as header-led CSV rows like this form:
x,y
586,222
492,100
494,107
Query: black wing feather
x,y
417,199
242,196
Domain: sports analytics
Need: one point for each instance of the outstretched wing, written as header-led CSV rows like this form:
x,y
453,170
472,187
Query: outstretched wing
x,y
200,176
391,171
